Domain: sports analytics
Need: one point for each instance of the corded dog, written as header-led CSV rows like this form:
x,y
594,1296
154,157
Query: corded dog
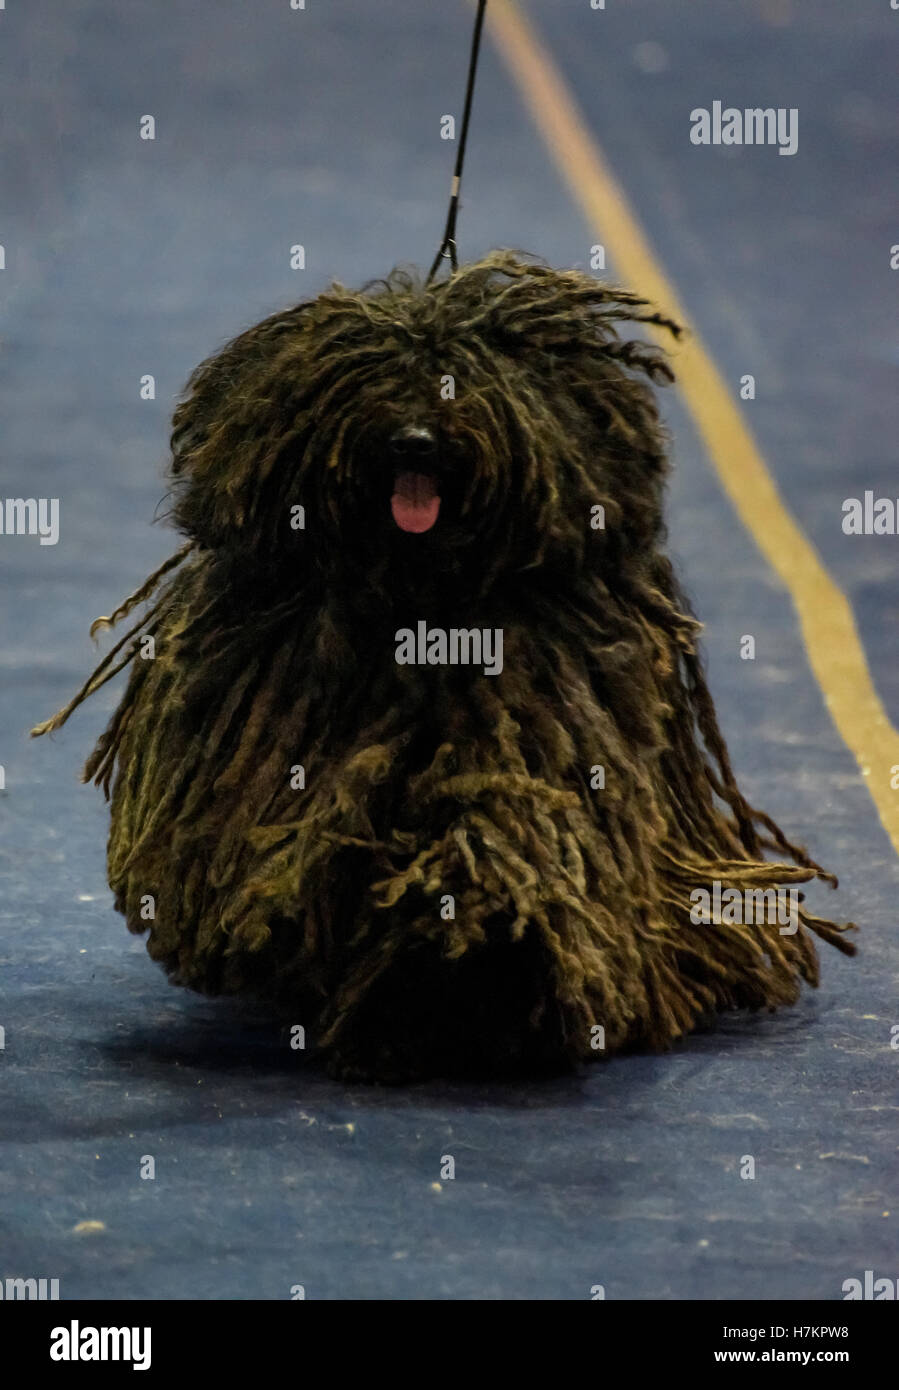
x,y
416,741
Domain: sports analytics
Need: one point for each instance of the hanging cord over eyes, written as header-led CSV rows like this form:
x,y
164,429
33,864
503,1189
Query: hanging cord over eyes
x,y
448,245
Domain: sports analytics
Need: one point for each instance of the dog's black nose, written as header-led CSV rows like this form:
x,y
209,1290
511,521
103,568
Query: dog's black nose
x,y
413,442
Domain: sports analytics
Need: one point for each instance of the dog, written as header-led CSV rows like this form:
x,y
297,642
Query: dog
x,y
417,742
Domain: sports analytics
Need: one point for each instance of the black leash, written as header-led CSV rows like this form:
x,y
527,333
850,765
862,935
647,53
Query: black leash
x,y
448,245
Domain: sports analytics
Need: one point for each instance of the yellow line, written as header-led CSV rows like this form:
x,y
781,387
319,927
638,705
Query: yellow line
x,y
828,627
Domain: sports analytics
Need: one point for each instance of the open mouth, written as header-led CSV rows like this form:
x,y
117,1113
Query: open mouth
x,y
415,502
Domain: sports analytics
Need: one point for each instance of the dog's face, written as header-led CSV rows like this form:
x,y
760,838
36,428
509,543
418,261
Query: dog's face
x,y
470,428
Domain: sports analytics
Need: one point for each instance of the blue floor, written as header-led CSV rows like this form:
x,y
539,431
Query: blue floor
x,y
126,257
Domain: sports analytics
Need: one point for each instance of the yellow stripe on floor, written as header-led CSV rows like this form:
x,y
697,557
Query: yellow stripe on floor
x,y
828,627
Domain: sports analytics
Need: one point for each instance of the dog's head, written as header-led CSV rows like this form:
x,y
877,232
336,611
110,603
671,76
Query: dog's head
x,y
466,428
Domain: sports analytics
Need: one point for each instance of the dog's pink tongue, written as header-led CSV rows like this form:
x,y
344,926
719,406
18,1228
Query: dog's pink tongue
x,y
415,502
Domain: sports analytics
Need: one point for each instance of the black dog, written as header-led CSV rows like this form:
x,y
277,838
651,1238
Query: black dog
x,y
421,746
